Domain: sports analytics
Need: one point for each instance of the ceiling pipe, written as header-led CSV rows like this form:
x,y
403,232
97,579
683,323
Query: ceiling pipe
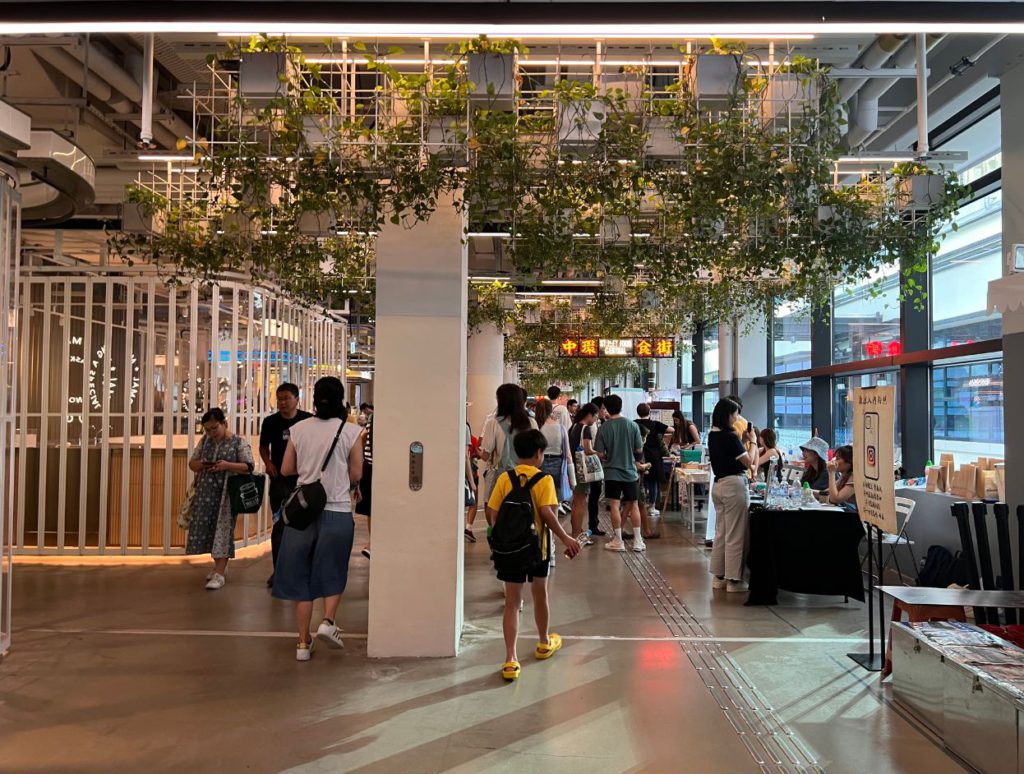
x,y
72,69
922,96
146,135
106,68
874,57
867,113
932,90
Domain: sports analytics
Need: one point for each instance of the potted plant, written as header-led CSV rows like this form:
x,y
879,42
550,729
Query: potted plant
x,y
793,89
491,69
262,76
917,188
715,76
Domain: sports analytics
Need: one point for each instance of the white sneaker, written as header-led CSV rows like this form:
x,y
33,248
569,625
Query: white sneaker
x,y
614,545
718,583
654,512
215,582
331,634
304,651
639,545
211,573
736,586
587,541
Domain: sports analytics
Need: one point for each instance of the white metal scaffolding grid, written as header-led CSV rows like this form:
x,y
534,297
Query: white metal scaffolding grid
x,y
117,366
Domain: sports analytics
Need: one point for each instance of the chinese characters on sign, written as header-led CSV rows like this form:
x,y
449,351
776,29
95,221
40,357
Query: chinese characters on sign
x,y
879,349
873,425
648,347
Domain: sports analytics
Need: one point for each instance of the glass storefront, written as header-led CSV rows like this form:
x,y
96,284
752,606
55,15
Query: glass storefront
x,y
967,410
791,338
791,414
866,319
970,257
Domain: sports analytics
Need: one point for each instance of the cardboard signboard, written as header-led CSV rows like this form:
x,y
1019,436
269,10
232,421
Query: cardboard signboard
x,y
873,443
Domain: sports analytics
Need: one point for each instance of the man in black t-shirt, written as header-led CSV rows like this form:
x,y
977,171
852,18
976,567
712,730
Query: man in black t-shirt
x,y
652,454
274,434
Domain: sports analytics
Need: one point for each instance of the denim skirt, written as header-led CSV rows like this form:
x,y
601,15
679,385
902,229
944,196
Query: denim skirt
x,y
313,562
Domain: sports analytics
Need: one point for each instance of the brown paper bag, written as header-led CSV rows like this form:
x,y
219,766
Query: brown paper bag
x,y
1000,473
948,467
935,479
964,481
985,485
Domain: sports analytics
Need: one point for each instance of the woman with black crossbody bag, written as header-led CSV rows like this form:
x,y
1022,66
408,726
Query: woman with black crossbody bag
x,y
326,454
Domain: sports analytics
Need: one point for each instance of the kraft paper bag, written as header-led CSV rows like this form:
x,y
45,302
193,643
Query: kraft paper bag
x,y
1000,473
935,479
985,485
947,465
964,481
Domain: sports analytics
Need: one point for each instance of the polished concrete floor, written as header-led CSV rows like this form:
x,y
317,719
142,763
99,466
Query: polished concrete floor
x,y
140,669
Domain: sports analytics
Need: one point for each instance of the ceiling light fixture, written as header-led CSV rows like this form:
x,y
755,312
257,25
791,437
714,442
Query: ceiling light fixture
x,y
166,157
577,282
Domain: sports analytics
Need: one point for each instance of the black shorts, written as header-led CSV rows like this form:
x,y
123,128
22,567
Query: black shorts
x,y
539,570
626,491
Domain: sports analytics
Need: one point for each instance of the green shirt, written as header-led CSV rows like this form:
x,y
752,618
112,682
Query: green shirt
x,y
619,439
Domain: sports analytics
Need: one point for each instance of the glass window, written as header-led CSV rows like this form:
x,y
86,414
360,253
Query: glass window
x,y
842,407
791,414
791,338
867,318
967,410
710,399
967,260
711,355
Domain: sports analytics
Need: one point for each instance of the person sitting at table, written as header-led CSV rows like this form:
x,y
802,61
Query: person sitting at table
x,y
815,457
841,492
769,450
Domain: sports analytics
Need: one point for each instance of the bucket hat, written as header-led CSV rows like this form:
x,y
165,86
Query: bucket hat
x,y
818,446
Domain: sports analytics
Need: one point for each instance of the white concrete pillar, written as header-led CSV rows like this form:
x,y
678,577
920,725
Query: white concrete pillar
x,y
511,374
1011,87
420,396
485,372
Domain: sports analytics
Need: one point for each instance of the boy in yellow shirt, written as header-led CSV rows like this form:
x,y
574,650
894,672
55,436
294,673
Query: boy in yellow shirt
x,y
529,447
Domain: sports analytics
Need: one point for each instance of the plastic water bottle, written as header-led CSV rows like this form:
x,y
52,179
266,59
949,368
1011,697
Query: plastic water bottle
x,y
807,496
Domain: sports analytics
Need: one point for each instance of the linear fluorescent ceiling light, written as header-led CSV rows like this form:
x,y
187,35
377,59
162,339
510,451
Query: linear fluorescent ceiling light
x,y
894,158
552,294
165,157
567,282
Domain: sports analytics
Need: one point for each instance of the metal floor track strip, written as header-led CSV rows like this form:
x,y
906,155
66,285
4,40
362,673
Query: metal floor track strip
x,y
772,744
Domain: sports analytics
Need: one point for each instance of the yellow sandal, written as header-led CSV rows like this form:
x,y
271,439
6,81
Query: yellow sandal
x,y
510,670
547,650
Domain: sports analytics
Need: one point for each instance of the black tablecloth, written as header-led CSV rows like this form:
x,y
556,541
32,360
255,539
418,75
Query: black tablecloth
x,y
809,552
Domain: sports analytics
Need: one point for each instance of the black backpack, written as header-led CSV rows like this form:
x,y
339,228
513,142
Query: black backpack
x,y
942,568
515,544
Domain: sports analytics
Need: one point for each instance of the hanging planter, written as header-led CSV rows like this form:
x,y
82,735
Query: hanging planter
x,y
137,218
715,76
317,224
262,76
790,95
492,80
662,137
920,193
579,123
627,87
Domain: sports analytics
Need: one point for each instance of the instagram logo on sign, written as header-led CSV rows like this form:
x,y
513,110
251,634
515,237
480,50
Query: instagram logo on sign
x,y
871,455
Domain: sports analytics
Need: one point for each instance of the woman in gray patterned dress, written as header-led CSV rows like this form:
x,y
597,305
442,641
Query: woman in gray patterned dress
x,y
212,528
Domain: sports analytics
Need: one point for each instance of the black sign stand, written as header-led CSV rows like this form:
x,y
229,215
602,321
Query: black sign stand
x,y
872,661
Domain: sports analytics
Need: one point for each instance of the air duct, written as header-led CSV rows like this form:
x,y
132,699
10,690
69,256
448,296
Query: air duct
x,y
71,68
873,58
867,99
106,68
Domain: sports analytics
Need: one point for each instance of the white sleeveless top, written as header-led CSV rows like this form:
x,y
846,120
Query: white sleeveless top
x,y
312,438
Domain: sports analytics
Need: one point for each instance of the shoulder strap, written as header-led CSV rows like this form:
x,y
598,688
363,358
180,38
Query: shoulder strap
x,y
537,477
513,478
334,443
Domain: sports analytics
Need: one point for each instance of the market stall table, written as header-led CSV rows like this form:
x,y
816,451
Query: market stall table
x,y
689,479
922,603
807,551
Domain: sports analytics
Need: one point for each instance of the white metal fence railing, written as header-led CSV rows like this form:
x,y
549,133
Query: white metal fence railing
x,y
117,366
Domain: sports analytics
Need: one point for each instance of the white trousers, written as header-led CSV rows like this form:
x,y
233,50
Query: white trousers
x,y
732,527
